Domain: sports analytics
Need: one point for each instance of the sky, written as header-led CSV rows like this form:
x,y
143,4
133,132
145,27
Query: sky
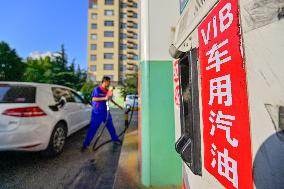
x,y
43,25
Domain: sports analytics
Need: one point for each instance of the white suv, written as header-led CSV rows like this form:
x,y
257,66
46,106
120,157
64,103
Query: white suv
x,y
39,117
131,101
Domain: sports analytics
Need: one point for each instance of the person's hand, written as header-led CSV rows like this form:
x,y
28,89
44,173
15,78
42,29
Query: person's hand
x,y
107,98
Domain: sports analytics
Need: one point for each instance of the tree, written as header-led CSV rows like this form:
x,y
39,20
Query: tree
x,y
11,65
87,90
81,75
38,70
130,86
55,70
60,70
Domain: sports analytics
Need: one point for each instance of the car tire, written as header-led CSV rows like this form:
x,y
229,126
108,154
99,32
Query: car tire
x,y
57,141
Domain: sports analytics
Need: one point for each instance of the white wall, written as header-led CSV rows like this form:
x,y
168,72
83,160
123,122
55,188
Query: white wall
x,y
157,18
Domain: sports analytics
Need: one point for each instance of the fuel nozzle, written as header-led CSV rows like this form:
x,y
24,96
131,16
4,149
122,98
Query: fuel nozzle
x,y
127,109
126,118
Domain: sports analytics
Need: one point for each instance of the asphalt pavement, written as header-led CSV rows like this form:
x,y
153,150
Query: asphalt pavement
x,y
70,170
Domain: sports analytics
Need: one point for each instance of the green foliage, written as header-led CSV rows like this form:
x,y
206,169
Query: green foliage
x,y
38,70
55,70
87,90
130,86
11,65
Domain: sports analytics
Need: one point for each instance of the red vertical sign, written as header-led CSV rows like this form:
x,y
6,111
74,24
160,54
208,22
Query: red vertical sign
x,y
176,83
227,145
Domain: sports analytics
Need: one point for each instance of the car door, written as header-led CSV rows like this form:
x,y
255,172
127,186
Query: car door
x,y
70,110
84,113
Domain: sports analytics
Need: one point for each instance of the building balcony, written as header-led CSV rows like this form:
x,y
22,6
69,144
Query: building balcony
x,y
133,58
131,29
130,72
132,42
132,47
132,37
132,4
132,21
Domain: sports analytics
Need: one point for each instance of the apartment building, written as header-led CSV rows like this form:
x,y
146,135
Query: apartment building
x,y
112,39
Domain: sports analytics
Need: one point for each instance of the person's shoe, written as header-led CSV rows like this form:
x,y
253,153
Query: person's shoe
x,y
118,142
83,149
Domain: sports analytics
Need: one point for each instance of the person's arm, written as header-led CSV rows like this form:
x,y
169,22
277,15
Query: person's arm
x,y
116,104
99,99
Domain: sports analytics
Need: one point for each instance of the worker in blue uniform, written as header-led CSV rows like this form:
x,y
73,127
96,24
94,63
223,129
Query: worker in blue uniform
x,y
100,113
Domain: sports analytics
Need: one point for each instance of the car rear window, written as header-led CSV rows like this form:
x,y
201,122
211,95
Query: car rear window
x,y
17,94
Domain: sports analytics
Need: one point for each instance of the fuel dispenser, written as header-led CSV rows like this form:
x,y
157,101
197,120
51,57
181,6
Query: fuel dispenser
x,y
189,144
228,93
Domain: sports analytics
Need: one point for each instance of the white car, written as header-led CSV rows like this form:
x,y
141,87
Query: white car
x,y
39,117
131,101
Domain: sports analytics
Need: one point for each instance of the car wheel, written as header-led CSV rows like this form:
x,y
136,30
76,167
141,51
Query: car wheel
x,y
57,141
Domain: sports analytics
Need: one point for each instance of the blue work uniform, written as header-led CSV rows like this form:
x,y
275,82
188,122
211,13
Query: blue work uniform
x,y
99,114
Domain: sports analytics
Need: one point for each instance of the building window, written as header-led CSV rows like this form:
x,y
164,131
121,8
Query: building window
x,y
108,44
123,15
108,34
108,66
93,78
94,26
135,5
94,15
109,23
133,46
135,36
108,55
123,35
133,25
108,2
122,57
110,76
94,5
134,57
123,25
93,68
109,12
93,57
93,46
122,68
134,15
94,36
123,5
123,46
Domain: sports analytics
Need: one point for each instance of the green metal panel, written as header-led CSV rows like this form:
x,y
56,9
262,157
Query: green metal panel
x,y
145,132
161,165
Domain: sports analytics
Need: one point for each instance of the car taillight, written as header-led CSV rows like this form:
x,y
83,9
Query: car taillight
x,y
25,112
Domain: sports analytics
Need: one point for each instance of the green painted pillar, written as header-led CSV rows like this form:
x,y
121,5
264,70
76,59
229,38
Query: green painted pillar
x,y
161,165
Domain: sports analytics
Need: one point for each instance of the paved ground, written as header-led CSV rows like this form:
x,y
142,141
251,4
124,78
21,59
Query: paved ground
x,y
68,171
127,176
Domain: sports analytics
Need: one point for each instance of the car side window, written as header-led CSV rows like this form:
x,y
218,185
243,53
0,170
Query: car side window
x,y
77,98
61,92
